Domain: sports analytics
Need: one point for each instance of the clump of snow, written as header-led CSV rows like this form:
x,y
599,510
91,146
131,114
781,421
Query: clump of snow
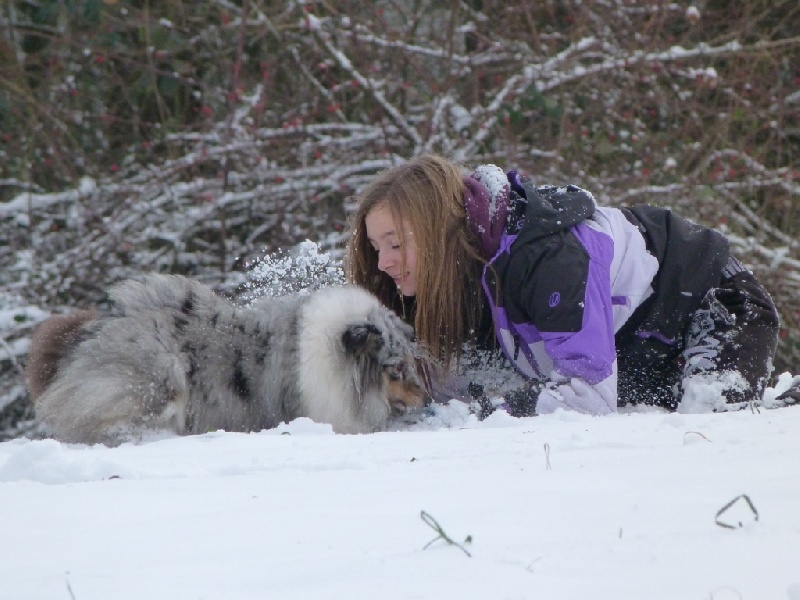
x,y
313,22
301,426
692,14
494,179
707,76
783,383
50,462
460,116
499,418
10,316
704,393
87,186
301,270
451,414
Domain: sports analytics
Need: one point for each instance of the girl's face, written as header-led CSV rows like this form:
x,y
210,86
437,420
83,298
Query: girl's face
x,y
397,261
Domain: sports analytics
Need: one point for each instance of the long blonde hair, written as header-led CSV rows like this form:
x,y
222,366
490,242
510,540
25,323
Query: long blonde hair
x,y
427,193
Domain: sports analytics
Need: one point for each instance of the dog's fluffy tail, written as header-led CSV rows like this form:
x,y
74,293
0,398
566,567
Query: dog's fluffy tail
x,y
50,343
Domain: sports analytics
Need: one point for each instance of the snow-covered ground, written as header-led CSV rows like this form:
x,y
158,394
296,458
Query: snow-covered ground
x,y
562,506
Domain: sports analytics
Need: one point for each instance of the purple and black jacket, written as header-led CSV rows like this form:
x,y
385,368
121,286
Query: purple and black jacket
x,y
565,275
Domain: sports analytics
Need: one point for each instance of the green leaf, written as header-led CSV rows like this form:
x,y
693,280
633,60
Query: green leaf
x,y
91,11
604,147
167,85
553,107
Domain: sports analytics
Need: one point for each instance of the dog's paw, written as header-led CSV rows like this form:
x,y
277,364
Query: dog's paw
x,y
362,339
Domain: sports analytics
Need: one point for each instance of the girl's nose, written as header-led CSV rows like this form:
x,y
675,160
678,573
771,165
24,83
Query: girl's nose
x,y
384,260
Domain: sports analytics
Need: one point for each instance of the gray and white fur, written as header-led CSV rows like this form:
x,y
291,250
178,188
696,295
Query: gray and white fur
x,y
173,355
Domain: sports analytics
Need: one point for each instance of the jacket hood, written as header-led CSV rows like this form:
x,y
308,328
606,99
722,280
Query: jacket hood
x,y
486,199
551,209
492,198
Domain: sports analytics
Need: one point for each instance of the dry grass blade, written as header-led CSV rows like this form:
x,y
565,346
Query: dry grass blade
x,y
725,508
434,524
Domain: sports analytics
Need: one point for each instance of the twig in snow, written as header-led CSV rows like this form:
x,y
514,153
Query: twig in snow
x,y
731,503
529,568
434,524
69,587
727,588
695,433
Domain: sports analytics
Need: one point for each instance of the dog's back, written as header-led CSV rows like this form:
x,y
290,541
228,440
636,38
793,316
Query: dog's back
x,y
234,364
154,362
52,340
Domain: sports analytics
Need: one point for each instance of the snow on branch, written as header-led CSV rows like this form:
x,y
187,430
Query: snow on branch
x,y
28,201
366,83
551,78
495,54
779,177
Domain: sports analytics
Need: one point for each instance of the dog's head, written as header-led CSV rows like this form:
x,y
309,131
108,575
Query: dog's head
x,y
357,361
385,345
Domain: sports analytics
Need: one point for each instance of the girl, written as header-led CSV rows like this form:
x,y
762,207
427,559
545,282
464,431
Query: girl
x,y
596,307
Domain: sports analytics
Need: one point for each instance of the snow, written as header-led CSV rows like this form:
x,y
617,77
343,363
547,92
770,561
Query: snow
x,y
461,117
495,181
703,393
560,506
300,270
639,504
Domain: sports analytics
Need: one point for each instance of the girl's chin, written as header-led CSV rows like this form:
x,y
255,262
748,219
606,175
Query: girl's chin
x,y
405,288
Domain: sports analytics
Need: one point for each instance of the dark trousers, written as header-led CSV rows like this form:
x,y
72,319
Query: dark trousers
x,y
734,331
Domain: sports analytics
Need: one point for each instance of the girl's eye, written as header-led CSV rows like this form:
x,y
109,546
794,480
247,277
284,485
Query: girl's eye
x,y
396,247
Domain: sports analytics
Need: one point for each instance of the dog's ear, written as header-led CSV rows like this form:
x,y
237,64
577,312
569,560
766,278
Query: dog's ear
x,y
362,339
